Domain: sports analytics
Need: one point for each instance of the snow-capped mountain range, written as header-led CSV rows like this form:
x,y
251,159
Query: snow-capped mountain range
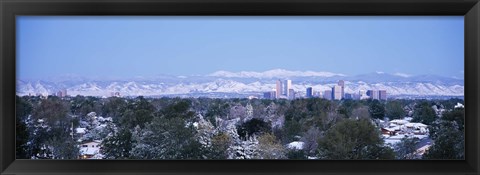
x,y
244,83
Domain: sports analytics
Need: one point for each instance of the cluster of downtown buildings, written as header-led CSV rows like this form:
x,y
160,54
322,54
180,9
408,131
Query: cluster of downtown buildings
x,y
284,90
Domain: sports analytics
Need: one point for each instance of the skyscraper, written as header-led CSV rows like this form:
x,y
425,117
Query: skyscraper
x,y
278,89
287,84
370,93
382,94
267,95
327,94
337,92
291,94
309,92
375,95
341,83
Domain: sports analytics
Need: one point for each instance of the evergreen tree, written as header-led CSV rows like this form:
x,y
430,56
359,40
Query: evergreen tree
x,y
253,126
424,113
117,145
353,139
23,109
457,115
170,135
51,130
394,110
138,112
376,109
448,137
114,107
406,148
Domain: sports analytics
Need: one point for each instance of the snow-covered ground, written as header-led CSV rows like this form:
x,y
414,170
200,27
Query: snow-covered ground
x,y
295,145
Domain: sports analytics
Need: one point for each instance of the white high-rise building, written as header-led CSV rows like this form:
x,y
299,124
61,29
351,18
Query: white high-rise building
x,y
287,84
291,94
341,83
337,92
278,89
375,95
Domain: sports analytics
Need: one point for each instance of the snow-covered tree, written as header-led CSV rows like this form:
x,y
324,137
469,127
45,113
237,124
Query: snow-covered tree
x,y
406,148
117,144
171,135
246,149
248,112
205,131
449,141
310,140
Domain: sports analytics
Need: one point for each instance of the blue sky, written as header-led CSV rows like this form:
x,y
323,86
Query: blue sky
x,y
149,46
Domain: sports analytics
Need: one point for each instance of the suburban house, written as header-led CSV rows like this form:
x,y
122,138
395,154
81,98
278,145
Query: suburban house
x,y
90,150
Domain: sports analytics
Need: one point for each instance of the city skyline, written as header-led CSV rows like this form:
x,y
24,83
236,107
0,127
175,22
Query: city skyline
x,y
149,46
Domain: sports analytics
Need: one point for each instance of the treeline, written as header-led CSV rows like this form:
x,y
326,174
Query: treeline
x,y
205,128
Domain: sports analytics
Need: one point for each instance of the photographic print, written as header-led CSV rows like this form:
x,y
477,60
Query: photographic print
x,y
240,87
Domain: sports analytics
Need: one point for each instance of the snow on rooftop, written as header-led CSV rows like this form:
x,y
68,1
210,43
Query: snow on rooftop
x,y
89,151
419,136
195,124
399,122
295,145
392,142
459,105
416,125
80,130
389,129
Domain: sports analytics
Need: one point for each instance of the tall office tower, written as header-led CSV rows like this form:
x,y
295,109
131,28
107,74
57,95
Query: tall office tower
x,y
309,92
348,96
59,94
370,93
270,94
279,89
342,84
327,94
273,94
375,95
287,84
63,92
337,92
382,94
291,94
267,95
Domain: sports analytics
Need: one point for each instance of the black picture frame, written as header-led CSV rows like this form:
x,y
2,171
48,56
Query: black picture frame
x,y
470,9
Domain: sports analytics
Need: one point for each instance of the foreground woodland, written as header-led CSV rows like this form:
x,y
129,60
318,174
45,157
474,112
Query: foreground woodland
x,y
206,128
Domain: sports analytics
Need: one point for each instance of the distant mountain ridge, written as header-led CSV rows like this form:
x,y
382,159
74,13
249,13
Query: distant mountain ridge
x,y
275,73
245,83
